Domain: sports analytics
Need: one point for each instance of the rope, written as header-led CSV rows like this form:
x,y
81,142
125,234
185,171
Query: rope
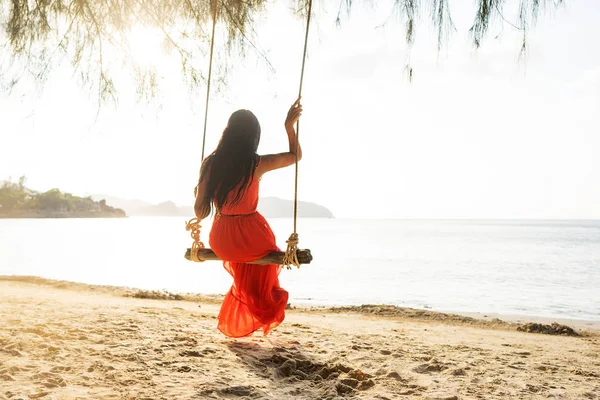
x,y
193,225
210,63
291,257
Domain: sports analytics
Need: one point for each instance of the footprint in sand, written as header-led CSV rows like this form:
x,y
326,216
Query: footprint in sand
x,y
37,331
441,397
522,353
422,357
588,374
191,353
240,391
12,349
348,385
357,347
39,395
49,380
517,365
6,377
395,376
431,367
58,369
208,351
411,390
49,348
191,342
458,372
303,327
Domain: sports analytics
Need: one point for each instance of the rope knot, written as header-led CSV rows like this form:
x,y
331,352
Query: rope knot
x,y
291,254
194,227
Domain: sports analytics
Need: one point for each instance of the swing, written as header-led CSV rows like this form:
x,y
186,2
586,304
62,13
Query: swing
x,y
292,255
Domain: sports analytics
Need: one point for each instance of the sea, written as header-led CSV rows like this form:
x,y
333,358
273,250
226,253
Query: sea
x,y
541,268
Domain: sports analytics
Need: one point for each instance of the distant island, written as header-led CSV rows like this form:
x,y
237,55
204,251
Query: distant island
x,y
270,207
274,207
17,201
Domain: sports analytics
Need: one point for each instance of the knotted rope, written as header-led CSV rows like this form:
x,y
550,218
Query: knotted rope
x,y
193,225
291,254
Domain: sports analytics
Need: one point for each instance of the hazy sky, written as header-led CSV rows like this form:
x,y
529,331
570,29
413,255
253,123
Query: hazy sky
x,y
476,134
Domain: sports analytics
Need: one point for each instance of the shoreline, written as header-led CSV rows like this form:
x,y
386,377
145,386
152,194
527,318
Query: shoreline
x,y
510,321
479,315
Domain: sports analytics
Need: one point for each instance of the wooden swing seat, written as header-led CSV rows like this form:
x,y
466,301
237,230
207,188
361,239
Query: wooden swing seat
x,y
276,257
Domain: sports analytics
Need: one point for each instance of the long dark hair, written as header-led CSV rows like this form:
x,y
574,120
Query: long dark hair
x,y
233,162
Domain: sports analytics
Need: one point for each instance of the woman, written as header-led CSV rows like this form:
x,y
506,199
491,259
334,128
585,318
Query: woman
x,y
228,184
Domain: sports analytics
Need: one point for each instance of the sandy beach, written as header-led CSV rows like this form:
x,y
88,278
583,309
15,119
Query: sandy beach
x,y
61,340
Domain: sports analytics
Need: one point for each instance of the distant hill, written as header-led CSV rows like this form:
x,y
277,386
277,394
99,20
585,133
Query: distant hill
x,y
18,201
274,207
139,208
271,207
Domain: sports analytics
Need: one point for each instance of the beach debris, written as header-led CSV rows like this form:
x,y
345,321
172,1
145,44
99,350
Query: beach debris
x,y
552,329
458,372
156,295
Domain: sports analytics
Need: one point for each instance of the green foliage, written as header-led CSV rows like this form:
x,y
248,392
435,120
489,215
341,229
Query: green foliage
x,y
16,199
92,34
12,197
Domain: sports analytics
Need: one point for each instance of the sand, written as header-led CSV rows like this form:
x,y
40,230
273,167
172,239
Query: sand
x,y
70,341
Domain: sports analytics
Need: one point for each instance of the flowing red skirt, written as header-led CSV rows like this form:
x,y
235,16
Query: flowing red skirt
x,y
255,299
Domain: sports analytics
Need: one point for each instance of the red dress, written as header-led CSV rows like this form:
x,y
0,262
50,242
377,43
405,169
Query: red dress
x,y
240,235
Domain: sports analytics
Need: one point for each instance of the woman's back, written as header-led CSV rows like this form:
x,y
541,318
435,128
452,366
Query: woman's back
x,y
247,201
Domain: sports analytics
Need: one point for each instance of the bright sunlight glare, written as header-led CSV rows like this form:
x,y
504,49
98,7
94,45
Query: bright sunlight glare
x,y
146,45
